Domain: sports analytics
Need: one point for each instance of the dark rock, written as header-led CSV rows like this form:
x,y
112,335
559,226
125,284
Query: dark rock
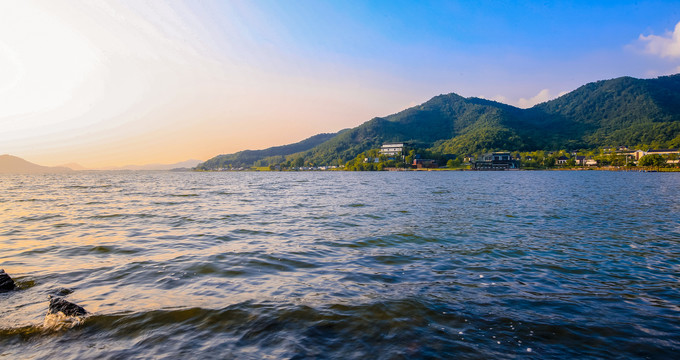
x,y
6,282
61,291
58,304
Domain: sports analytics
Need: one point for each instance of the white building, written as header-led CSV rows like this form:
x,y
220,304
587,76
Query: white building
x,y
392,149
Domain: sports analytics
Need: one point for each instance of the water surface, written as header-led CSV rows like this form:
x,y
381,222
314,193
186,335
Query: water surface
x,y
343,265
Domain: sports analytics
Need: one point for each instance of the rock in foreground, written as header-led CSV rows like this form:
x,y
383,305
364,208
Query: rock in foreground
x,y
58,305
6,282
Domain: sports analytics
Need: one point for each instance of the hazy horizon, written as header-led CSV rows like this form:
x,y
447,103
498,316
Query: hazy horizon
x,y
109,84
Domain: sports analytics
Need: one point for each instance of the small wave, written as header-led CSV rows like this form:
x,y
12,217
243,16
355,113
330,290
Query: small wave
x,y
107,216
184,195
440,192
391,240
252,232
87,186
59,321
40,250
65,225
226,193
31,200
114,216
24,284
39,217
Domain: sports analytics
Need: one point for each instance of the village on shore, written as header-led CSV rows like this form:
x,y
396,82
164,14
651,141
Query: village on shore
x,y
403,156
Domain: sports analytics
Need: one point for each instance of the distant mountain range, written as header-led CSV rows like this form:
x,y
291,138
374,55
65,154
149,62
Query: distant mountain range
x,y
188,164
14,165
74,166
10,164
621,111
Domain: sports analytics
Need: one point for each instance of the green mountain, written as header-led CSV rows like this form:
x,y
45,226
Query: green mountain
x,y
621,111
247,158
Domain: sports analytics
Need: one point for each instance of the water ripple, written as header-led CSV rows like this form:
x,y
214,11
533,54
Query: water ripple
x,y
344,265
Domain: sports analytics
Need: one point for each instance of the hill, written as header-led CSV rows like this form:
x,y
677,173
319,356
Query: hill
x,y
159,167
14,165
248,158
74,166
621,111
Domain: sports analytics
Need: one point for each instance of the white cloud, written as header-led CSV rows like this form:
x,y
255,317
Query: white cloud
x,y
500,99
542,96
667,46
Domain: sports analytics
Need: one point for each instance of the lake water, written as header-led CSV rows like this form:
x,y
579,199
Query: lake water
x,y
337,265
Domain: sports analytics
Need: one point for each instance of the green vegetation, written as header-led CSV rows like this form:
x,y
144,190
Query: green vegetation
x,y
623,111
653,160
262,158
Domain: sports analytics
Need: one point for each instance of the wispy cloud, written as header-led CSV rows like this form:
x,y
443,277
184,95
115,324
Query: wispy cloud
x,y
542,96
664,46
500,99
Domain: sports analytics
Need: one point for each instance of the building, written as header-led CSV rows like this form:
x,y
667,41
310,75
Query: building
x,y
562,160
392,149
664,152
495,161
425,164
583,161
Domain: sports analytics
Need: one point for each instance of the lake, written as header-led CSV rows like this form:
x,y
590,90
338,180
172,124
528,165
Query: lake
x,y
338,265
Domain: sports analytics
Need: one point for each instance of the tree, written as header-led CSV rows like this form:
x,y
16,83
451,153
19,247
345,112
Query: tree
x,y
652,160
410,157
298,162
549,162
453,163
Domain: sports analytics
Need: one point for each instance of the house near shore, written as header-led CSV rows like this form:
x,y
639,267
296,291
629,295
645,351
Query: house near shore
x,y
392,149
495,161
637,154
583,161
425,164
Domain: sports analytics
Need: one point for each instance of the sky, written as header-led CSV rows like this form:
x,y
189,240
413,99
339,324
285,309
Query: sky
x,y
113,83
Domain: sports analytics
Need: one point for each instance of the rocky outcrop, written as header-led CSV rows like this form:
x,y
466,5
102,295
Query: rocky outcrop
x,y
58,305
6,282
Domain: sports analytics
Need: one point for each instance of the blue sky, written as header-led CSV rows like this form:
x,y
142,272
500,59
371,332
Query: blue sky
x,y
108,83
481,48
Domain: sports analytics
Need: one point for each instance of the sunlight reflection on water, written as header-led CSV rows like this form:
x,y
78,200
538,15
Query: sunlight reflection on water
x,y
446,264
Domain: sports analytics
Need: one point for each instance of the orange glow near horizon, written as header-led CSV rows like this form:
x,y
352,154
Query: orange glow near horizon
x,y
111,84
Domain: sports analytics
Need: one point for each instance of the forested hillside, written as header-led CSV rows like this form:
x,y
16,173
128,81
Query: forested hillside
x,y
621,111
247,158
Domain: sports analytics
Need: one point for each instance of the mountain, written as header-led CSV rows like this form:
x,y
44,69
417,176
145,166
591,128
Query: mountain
x,y
248,158
74,166
621,111
14,165
184,164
